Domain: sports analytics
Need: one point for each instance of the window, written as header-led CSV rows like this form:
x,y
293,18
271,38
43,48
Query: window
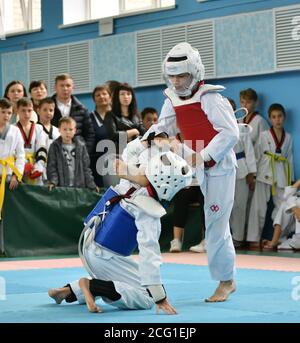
x,y
20,15
95,9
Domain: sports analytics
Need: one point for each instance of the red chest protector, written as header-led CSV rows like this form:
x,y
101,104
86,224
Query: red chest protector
x,y
197,131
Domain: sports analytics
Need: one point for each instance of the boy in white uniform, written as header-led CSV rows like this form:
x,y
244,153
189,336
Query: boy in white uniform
x,y
117,278
208,126
12,155
45,110
274,172
35,143
248,100
245,156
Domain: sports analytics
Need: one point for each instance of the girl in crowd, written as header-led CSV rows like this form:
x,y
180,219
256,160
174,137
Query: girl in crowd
x,y
15,91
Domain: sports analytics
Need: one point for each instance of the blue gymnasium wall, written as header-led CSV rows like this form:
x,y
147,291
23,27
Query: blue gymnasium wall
x,y
279,87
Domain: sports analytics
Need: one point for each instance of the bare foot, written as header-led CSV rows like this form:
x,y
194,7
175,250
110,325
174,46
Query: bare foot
x,y
84,284
222,292
59,294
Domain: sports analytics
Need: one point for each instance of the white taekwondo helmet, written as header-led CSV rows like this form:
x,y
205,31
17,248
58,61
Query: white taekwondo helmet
x,y
183,58
168,173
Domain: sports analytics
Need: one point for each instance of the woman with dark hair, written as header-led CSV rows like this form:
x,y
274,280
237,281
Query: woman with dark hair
x,y
124,124
102,99
15,91
38,91
112,85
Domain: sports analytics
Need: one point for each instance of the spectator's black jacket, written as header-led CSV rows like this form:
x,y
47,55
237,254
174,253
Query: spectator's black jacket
x,y
84,124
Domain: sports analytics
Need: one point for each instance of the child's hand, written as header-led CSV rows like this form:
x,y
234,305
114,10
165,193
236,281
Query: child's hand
x,y
194,160
250,180
97,189
120,167
296,211
175,145
166,307
296,184
162,143
13,182
51,186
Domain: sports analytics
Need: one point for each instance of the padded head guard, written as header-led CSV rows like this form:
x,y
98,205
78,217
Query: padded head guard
x,y
181,59
168,173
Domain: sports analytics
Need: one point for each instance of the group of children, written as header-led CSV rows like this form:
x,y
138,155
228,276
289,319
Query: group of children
x,y
40,153
265,168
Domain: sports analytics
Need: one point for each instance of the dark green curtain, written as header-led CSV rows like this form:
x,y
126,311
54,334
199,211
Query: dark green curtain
x,y
37,222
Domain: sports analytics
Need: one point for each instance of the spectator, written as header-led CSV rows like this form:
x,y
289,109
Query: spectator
x,y
35,143
38,91
68,159
45,110
149,117
274,172
15,91
12,154
191,195
124,124
249,100
68,105
182,200
112,85
286,221
102,98
245,156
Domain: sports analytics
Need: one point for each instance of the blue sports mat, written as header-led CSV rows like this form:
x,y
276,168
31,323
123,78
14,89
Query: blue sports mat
x,y
262,297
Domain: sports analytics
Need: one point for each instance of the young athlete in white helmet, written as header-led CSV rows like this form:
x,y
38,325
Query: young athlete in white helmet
x,y
208,126
127,216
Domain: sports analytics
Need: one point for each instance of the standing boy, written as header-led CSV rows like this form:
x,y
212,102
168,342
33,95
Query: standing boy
x,y
35,143
68,159
207,124
12,154
274,172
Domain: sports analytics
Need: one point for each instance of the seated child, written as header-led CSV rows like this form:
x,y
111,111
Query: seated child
x,y
286,221
274,172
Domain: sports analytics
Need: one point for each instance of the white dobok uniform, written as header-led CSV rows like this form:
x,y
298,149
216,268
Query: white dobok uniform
x,y
130,277
271,179
12,146
284,216
35,146
258,124
218,182
245,156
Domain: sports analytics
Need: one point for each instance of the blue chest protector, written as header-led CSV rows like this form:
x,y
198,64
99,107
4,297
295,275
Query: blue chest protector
x,y
117,231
